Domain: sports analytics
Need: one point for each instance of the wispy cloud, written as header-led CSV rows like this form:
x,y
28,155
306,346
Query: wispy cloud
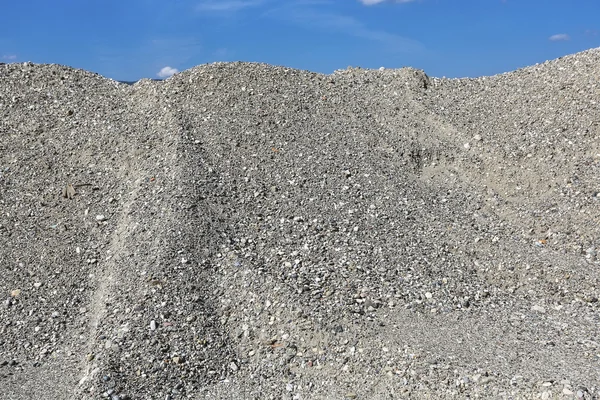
x,y
9,57
223,54
327,21
227,5
559,37
373,2
167,72
173,45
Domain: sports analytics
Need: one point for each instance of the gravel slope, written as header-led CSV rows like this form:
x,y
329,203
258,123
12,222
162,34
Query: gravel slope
x,y
249,231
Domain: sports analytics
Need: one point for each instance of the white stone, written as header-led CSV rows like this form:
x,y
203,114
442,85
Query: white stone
x,y
539,309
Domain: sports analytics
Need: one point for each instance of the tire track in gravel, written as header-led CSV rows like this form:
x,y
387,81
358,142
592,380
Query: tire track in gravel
x,y
120,281
152,304
106,281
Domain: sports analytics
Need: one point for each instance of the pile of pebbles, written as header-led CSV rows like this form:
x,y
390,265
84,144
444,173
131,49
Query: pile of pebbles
x,y
249,231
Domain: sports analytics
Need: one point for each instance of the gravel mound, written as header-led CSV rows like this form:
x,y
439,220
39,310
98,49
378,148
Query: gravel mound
x,y
249,231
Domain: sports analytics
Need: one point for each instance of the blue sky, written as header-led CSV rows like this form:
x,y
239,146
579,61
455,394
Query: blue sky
x,y
133,39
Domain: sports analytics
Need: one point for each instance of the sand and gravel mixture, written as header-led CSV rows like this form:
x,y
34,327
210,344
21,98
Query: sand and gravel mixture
x,y
245,231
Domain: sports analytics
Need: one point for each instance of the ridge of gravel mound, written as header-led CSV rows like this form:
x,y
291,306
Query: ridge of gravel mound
x,y
249,231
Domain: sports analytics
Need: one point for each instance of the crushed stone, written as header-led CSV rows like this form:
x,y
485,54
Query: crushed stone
x,y
249,231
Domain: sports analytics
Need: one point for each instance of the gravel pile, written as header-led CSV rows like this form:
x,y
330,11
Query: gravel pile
x,y
249,231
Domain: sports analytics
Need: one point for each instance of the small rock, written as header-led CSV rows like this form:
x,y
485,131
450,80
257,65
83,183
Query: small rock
x,y
290,353
567,392
233,366
428,295
545,395
350,395
15,293
69,191
37,285
539,309
178,360
486,379
100,218
152,325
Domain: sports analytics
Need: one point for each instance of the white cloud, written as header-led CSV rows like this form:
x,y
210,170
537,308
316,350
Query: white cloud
x,y
559,36
9,57
373,2
167,72
227,5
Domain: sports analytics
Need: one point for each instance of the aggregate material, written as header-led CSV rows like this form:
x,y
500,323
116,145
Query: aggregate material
x,y
246,231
